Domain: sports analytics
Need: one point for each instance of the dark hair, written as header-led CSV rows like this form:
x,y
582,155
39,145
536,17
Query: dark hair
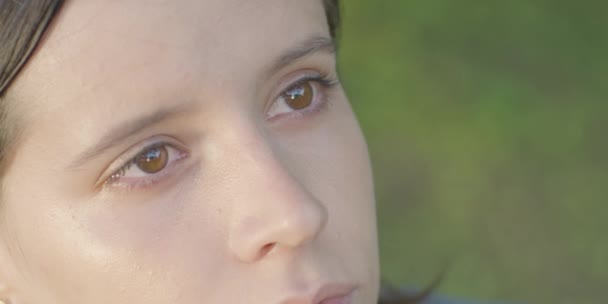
x,y
22,26
332,11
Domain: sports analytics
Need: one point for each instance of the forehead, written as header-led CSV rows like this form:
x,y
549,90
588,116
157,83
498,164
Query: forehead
x,y
206,24
102,46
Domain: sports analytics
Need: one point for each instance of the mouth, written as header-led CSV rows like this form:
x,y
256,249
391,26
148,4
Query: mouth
x,y
345,299
325,294
335,294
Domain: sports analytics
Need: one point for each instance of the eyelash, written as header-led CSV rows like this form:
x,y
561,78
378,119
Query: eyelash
x,y
116,178
320,101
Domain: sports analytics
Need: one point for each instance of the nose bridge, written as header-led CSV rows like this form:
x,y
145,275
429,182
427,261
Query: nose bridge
x,y
273,209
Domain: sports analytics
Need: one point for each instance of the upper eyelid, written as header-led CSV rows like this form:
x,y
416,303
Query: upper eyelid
x,y
317,62
314,45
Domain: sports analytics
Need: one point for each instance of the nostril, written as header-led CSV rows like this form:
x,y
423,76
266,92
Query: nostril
x,y
266,249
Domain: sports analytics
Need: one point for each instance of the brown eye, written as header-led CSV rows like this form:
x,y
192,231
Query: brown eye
x,y
299,96
152,160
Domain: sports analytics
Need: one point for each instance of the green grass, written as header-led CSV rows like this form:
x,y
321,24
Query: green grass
x,y
487,124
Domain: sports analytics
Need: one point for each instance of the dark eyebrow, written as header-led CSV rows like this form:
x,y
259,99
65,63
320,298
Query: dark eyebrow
x,y
127,129
305,48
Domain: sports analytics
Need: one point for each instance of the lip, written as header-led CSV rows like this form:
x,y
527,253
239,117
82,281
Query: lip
x,y
335,294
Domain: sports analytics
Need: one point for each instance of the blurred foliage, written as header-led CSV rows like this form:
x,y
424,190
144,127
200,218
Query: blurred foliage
x,y
485,121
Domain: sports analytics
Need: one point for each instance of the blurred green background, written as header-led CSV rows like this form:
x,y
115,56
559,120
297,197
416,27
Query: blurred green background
x,y
486,124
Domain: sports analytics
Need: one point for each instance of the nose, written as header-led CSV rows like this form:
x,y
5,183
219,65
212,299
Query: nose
x,y
274,211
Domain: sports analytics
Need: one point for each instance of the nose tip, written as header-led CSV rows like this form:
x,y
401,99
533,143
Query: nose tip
x,y
274,209
285,226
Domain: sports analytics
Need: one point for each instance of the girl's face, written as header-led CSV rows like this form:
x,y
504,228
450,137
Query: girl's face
x,y
187,151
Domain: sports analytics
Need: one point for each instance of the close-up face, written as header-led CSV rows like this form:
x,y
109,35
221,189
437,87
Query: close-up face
x,y
186,151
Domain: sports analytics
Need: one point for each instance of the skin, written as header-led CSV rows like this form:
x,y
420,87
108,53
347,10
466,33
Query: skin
x,y
258,208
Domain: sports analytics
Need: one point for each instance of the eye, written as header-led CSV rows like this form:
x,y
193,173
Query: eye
x,y
303,97
149,166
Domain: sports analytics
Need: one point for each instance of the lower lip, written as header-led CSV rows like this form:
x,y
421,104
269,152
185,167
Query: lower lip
x,y
347,299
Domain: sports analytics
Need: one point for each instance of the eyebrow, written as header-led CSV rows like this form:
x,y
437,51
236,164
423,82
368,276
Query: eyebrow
x,y
125,130
312,45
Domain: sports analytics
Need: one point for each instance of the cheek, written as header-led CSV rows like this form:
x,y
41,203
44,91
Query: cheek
x,y
351,227
171,247
333,163
110,251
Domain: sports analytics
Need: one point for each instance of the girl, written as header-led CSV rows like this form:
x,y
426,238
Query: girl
x,y
185,151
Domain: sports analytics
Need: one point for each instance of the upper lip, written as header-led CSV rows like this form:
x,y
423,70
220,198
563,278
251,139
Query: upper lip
x,y
329,291
322,293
